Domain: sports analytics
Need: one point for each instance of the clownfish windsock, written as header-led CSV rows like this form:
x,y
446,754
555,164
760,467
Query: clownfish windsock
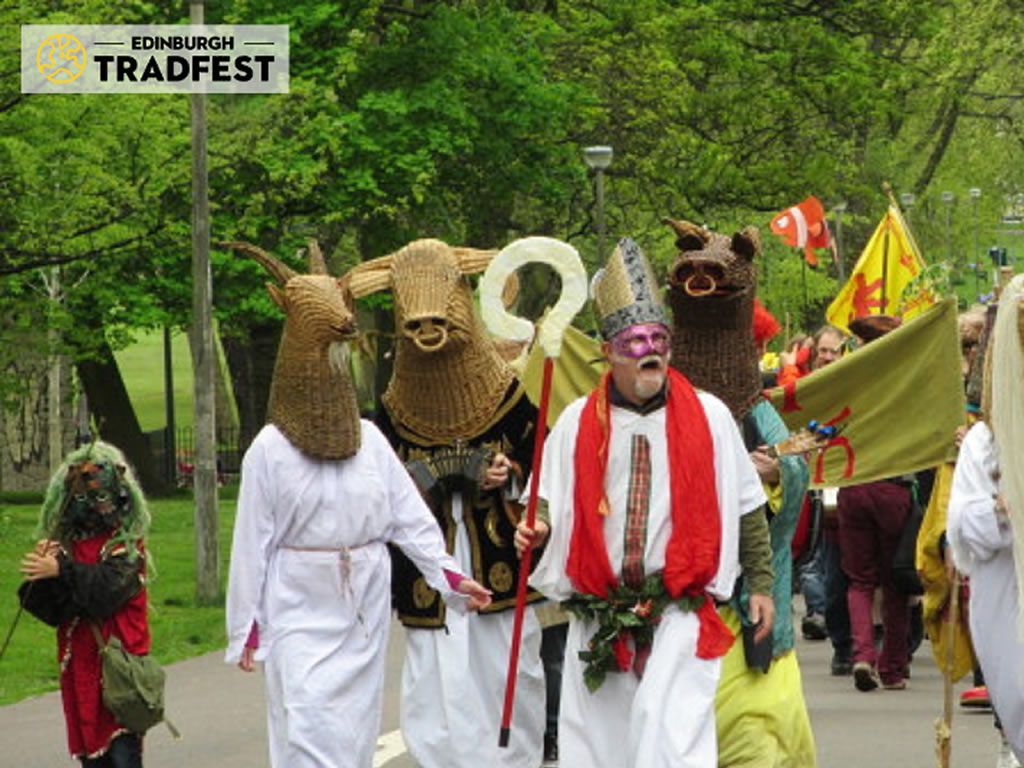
x,y
803,226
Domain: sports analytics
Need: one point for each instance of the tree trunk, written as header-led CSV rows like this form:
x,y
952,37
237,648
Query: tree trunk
x,y
224,399
250,360
115,417
203,363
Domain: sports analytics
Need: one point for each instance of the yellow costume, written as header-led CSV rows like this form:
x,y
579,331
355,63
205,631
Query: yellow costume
x,y
937,586
761,713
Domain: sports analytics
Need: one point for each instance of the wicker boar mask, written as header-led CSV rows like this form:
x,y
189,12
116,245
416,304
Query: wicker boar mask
x,y
712,284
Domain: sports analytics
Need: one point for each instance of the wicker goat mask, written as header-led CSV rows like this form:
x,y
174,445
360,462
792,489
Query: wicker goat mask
x,y
312,398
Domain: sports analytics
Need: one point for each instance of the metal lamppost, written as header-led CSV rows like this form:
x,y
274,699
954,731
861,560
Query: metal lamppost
x,y
907,201
975,194
598,159
948,198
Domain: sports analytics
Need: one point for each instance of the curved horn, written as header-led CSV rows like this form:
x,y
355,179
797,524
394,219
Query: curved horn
x,y
473,260
561,257
370,276
689,236
317,265
281,271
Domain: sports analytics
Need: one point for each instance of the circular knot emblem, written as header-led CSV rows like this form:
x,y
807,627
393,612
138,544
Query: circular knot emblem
x,y
61,58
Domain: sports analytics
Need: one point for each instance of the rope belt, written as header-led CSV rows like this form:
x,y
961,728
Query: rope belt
x,y
344,558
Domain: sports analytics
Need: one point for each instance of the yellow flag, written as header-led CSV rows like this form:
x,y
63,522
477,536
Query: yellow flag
x,y
890,261
900,399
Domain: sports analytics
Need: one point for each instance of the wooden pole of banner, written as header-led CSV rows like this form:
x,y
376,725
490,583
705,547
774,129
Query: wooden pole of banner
x,y
944,725
803,281
885,262
887,188
201,339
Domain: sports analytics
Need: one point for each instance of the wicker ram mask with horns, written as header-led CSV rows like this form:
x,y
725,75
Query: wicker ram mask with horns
x,y
448,377
711,287
312,399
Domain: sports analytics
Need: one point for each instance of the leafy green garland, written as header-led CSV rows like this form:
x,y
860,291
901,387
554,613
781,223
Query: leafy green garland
x,y
627,612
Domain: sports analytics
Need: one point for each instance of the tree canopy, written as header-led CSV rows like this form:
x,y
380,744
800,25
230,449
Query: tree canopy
x,y
464,120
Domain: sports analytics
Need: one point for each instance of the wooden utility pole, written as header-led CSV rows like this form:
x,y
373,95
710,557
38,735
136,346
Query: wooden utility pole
x,y
54,412
204,421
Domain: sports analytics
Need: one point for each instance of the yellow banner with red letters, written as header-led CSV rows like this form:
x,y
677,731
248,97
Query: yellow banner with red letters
x,y
899,399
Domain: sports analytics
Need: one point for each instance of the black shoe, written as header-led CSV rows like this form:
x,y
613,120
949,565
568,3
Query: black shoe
x,y
813,627
841,666
865,678
550,751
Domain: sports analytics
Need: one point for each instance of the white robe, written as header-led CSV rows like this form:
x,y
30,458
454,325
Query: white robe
x,y
453,686
982,546
667,719
309,565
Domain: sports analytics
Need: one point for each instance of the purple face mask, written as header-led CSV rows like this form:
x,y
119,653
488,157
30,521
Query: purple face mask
x,y
639,341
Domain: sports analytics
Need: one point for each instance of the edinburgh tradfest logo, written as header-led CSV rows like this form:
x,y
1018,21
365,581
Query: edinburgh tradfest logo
x,y
81,58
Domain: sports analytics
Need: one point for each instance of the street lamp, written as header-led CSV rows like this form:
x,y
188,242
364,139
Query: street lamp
x,y
839,209
907,201
598,158
975,194
947,199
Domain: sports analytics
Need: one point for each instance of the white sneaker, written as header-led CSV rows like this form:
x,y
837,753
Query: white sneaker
x,y
1006,757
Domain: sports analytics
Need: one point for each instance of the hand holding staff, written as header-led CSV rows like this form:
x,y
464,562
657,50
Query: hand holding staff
x,y
564,259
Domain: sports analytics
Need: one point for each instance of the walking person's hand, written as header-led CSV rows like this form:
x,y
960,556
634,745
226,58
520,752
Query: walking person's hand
x,y
479,596
762,614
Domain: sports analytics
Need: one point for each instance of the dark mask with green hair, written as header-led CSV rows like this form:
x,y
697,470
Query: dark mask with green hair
x,y
97,499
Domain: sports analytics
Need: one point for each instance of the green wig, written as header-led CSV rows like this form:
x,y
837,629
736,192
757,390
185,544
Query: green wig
x,y
114,476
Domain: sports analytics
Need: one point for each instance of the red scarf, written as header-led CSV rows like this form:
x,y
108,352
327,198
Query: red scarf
x,y
691,558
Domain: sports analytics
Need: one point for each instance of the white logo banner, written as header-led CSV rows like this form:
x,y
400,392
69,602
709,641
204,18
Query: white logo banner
x,y
166,58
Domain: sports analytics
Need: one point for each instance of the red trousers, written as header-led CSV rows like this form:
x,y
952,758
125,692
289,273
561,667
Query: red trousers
x,y
871,520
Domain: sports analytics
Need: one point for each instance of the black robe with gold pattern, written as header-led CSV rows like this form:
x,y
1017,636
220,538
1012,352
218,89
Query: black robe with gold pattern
x,y
443,469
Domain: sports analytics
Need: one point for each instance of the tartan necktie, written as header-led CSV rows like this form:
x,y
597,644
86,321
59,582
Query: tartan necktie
x,y
637,506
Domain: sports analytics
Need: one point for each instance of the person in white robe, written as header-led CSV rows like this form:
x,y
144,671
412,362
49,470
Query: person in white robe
x,y
661,714
979,534
464,426
310,568
322,494
985,526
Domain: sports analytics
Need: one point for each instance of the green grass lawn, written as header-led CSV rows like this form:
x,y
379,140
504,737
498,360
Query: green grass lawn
x,y
142,368
180,628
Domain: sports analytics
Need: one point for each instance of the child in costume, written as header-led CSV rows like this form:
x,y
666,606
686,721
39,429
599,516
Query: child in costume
x,y
88,570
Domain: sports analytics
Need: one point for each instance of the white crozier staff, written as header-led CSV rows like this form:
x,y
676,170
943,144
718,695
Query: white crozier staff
x,y
565,260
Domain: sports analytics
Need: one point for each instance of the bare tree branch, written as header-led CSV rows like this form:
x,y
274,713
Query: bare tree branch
x,y
39,259
10,104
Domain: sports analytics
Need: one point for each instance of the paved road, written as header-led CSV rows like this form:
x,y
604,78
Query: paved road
x,y
220,711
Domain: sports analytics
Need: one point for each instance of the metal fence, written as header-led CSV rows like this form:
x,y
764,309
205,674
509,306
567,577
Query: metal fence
x,y
180,468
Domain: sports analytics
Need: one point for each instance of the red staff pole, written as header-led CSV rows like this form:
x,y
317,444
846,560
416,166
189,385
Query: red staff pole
x,y
524,563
